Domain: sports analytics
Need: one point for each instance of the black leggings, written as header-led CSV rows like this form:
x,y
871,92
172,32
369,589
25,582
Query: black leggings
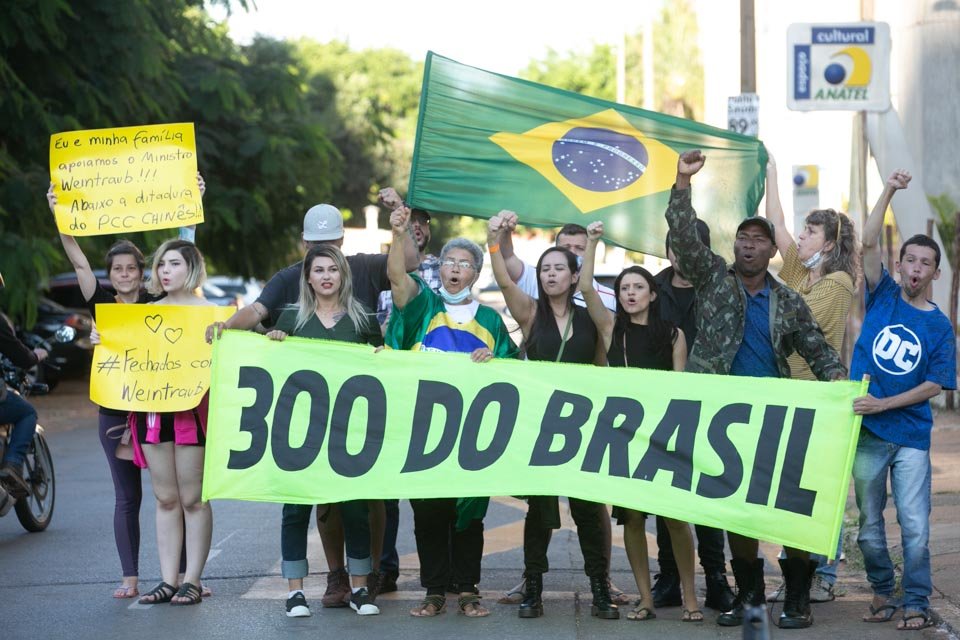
x,y
128,491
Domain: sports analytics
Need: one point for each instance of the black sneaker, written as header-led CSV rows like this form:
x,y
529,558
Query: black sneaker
x,y
297,606
12,476
666,590
387,583
361,602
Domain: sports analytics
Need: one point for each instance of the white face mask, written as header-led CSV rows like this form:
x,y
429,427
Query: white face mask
x,y
813,261
454,298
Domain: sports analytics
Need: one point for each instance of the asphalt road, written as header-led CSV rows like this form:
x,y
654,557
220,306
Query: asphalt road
x,y
58,584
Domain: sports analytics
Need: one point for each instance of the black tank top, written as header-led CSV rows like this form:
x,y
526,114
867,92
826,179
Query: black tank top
x,y
581,344
641,351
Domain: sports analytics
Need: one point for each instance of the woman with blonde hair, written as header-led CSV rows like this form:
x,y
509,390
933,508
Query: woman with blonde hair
x,y
327,310
171,445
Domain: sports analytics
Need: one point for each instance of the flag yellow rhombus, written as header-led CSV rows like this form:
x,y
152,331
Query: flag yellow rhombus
x,y
597,161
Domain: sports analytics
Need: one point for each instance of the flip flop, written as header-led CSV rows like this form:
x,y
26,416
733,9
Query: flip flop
x,y
918,615
883,613
124,591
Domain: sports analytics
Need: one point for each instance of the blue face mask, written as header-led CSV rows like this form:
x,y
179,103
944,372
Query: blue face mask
x,y
454,298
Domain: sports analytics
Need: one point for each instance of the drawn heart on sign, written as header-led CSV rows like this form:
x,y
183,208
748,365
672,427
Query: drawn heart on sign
x,y
172,335
153,322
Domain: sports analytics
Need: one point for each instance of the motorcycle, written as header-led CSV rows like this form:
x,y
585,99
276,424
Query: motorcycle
x,y
34,508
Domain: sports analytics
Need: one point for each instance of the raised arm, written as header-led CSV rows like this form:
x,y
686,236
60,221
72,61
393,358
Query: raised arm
x,y
508,220
602,317
522,307
389,198
872,269
81,266
774,210
696,260
402,286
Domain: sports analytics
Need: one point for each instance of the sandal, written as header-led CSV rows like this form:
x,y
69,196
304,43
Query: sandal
x,y
189,591
469,605
883,613
515,595
904,624
205,591
617,596
641,613
432,605
692,616
159,594
125,591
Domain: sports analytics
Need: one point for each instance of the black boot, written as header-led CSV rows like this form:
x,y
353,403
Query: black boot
x,y
797,576
532,605
749,577
719,594
602,606
666,590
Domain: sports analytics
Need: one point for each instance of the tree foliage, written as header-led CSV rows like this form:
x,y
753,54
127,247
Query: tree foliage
x,y
677,66
280,125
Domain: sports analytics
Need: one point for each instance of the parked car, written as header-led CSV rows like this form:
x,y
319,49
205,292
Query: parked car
x,y
248,290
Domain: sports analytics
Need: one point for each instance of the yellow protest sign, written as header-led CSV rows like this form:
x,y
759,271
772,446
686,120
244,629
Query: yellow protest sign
x,y
152,357
125,179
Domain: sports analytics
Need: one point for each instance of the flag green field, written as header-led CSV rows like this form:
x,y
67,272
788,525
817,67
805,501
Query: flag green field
x,y
487,142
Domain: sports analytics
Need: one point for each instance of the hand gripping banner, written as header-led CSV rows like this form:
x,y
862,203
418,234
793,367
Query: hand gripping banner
x,y
308,421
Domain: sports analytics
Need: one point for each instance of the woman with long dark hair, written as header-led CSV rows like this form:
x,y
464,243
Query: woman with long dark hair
x,y
555,330
327,310
637,336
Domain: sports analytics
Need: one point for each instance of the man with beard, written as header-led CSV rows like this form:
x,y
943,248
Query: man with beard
x,y
678,304
747,325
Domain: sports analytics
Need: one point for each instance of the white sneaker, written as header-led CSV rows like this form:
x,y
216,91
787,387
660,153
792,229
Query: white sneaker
x,y
777,595
361,603
821,590
297,606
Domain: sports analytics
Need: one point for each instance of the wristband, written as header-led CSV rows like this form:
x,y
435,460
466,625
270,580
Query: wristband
x,y
494,248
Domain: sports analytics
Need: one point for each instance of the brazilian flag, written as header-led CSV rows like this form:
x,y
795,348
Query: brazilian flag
x,y
487,142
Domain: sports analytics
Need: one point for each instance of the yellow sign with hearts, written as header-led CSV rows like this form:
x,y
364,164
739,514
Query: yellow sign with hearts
x,y
152,357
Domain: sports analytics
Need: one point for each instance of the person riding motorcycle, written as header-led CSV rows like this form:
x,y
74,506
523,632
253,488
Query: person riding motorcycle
x,y
16,410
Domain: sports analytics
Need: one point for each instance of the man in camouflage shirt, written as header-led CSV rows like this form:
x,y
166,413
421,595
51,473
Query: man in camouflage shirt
x,y
747,324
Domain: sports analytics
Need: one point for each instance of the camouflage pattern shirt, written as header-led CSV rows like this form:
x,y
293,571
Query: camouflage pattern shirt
x,y
721,305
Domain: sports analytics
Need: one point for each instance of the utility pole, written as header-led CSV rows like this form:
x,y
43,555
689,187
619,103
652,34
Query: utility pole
x,y
748,48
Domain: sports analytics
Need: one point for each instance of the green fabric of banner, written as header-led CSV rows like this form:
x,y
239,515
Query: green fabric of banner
x,y
487,142
309,422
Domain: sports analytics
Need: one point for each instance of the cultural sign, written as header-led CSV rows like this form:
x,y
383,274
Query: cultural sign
x,y
152,357
126,179
308,421
838,66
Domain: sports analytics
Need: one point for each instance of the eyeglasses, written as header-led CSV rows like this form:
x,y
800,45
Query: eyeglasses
x,y
463,264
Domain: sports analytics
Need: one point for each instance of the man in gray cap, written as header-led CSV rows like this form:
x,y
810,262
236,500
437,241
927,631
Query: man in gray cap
x,y
747,325
322,224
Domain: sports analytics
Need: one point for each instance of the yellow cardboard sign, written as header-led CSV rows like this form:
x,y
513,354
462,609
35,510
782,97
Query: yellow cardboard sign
x,y
125,179
152,357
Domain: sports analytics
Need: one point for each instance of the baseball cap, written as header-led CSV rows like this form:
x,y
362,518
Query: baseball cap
x,y
322,222
763,223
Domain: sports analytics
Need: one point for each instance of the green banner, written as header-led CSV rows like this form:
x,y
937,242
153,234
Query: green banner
x,y
487,142
308,421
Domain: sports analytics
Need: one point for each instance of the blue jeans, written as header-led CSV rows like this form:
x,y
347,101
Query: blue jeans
x,y
826,570
909,472
23,416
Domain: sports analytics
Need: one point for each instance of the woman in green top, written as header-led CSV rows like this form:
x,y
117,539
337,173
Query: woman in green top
x,y
449,531
327,310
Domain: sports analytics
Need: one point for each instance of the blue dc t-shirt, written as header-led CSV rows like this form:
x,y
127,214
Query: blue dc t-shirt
x,y
901,347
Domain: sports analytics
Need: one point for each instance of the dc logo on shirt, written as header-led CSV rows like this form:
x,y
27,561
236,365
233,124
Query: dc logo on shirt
x,y
897,350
